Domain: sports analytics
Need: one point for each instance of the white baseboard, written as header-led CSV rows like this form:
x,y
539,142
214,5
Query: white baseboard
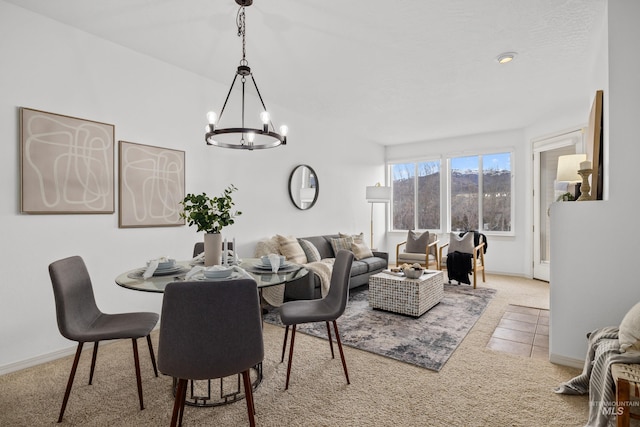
x,y
566,361
38,360
48,357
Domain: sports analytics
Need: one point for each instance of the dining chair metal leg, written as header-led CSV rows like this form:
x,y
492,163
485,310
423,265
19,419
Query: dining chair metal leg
x,y
72,374
93,361
183,398
284,344
344,362
137,363
248,393
293,339
178,401
333,356
153,357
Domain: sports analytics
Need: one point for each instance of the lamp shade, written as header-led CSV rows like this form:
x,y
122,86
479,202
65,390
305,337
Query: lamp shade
x,y
568,167
378,194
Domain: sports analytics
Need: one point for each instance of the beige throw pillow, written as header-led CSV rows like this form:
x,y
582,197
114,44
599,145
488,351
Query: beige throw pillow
x,y
361,251
358,238
629,333
291,249
462,244
341,243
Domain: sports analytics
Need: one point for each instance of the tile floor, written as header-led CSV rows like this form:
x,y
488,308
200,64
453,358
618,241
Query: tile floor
x,y
523,331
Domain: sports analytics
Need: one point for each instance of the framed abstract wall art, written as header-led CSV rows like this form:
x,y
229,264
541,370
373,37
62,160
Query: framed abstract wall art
x,y
66,164
151,185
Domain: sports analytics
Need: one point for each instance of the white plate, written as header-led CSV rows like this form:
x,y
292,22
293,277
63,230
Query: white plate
x,y
217,274
268,266
234,275
167,271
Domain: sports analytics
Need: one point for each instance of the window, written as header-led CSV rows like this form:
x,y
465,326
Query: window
x,y
496,185
416,195
464,193
481,201
480,194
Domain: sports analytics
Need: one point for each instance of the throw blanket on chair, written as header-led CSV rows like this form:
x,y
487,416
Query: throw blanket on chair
x,y
323,269
596,379
459,266
274,295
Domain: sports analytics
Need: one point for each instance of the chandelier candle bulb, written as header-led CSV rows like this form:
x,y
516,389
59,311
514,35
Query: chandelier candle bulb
x,y
211,118
264,116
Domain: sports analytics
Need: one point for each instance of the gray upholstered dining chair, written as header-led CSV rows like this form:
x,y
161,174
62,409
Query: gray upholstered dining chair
x,y
80,319
327,309
208,331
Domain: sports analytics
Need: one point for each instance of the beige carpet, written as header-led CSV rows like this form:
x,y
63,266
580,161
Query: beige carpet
x,y
477,386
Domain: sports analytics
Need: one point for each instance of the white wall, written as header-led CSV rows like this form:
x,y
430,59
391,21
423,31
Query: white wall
x,y
504,253
52,67
594,244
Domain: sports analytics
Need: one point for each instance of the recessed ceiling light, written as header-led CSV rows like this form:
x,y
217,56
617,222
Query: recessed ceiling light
x,y
506,57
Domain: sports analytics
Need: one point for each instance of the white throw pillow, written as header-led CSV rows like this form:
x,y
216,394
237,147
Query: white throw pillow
x,y
462,244
629,334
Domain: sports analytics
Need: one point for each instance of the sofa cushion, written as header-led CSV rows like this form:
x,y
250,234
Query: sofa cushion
x,y
374,263
359,267
291,249
361,250
310,250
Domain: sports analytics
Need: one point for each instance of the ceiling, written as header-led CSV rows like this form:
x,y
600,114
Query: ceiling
x,y
390,71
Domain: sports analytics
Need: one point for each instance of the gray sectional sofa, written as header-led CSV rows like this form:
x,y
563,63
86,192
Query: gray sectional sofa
x,y
308,287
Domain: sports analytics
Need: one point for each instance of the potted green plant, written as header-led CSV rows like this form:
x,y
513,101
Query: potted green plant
x,y
211,215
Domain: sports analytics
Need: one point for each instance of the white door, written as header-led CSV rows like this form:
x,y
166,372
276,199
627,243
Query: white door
x,y
545,164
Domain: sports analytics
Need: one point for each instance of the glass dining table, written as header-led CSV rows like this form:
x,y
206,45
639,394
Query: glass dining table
x,y
133,279
201,393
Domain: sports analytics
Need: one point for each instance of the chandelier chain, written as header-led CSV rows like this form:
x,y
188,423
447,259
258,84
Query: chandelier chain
x,y
240,21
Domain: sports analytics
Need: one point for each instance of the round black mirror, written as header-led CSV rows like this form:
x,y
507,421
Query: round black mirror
x,y
303,187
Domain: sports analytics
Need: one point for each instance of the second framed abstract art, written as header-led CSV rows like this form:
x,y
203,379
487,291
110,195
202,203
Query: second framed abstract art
x,y
151,185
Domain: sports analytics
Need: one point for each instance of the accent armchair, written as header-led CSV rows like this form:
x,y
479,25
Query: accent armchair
x,y
421,248
473,243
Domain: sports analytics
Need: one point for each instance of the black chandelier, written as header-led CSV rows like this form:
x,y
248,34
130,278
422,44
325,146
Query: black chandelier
x,y
250,138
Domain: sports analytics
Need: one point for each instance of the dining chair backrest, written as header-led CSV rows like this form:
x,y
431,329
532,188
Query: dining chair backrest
x,y
76,308
210,330
198,248
339,289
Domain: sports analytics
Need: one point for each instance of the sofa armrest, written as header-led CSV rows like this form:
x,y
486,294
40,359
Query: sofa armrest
x,y
302,288
383,255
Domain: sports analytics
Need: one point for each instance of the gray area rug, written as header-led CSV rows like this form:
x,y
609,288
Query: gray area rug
x,y
427,341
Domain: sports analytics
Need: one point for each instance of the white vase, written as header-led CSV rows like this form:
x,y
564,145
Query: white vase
x,y
212,249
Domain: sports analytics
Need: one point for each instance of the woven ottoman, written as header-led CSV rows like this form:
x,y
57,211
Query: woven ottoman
x,y
413,297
